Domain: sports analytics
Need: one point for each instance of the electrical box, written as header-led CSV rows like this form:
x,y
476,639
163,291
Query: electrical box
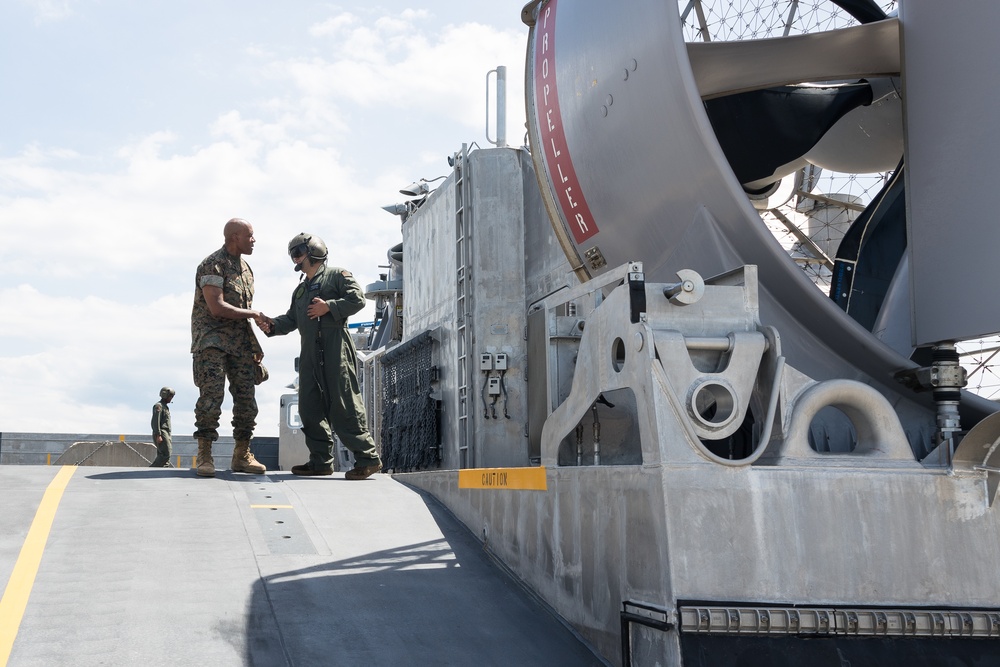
x,y
493,388
485,361
501,364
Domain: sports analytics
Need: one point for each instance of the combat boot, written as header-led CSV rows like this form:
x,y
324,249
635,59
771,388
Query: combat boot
x,y
243,460
204,465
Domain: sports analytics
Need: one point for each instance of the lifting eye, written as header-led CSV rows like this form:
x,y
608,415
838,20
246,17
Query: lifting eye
x,y
713,404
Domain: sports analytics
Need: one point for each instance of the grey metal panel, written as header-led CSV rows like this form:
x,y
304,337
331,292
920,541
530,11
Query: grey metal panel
x,y
847,529
496,318
497,276
429,301
950,53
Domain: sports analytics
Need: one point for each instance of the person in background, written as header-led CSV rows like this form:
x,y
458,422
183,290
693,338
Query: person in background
x,y
225,347
329,392
161,428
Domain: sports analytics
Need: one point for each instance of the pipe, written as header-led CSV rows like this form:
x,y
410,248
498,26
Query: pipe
x,y
501,140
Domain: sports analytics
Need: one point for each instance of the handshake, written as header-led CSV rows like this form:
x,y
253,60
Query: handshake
x,y
264,323
317,309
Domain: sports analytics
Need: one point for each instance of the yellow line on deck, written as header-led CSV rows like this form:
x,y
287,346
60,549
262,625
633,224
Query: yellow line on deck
x,y
22,578
270,507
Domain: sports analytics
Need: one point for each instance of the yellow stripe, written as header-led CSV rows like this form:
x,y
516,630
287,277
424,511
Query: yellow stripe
x,y
531,479
270,507
22,578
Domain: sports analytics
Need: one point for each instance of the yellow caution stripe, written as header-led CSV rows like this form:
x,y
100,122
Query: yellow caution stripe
x,y
22,578
524,479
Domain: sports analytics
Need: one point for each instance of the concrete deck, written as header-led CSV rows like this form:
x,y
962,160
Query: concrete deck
x,y
154,567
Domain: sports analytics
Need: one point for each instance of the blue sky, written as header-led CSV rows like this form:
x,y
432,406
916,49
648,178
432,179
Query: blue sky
x,y
130,132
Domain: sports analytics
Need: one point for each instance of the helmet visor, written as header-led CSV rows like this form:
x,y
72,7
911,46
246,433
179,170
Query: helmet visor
x,y
300,250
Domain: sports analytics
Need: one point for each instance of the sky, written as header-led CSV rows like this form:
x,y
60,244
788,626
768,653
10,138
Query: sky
x,y
130,132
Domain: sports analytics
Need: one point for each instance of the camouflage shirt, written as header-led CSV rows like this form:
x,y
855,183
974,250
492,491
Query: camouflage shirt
x,y
234,277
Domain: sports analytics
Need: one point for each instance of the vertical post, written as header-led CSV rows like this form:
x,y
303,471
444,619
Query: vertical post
x,y
501,140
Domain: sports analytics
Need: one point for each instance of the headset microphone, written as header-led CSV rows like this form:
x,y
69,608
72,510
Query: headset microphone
x,y
307,245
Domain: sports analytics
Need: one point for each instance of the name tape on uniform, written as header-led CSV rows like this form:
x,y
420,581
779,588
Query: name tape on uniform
x,y
531,479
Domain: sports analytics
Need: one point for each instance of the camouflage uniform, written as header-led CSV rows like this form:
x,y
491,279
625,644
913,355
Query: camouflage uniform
x,y
223,348
161,427
329,393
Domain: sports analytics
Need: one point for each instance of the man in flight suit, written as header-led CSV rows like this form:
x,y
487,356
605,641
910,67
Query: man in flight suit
x,y
329,393
161,428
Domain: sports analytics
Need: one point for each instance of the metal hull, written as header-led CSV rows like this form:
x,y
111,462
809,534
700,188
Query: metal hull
x,y
657,515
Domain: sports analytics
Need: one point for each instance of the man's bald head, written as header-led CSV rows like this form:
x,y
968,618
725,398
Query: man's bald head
x,y
233,226
239,237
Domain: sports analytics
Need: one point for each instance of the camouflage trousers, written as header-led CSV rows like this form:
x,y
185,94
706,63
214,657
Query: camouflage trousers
x,y
211,368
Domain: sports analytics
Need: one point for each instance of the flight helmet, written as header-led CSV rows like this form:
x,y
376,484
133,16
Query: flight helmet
x,y
313,246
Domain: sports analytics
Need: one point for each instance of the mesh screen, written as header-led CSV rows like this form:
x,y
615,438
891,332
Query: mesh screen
x,y
409,430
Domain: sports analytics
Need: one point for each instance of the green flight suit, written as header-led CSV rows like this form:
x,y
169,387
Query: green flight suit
x,y
329,392
161,427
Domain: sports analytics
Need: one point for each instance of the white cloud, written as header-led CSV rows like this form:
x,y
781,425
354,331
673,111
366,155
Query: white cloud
x,y
395,64
51,10
333,25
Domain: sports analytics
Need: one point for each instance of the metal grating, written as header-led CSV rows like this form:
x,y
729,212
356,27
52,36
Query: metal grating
x,y
409,428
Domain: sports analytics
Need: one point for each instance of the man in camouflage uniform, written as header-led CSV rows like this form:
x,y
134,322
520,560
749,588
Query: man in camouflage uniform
x,y
329,393
161,428
224,346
